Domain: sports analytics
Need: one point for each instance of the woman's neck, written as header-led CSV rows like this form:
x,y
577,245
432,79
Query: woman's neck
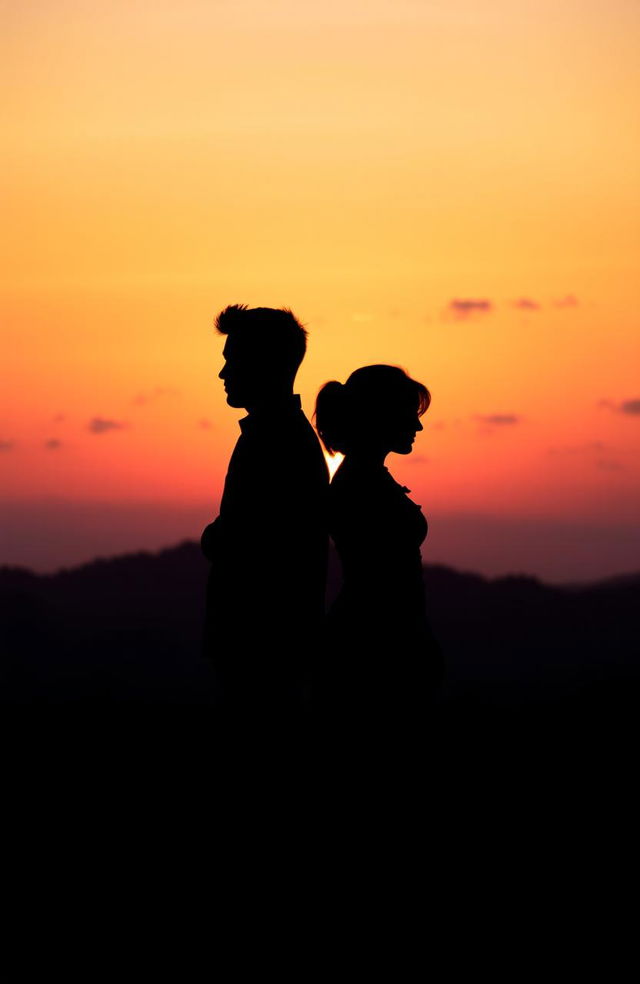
x,y
366,458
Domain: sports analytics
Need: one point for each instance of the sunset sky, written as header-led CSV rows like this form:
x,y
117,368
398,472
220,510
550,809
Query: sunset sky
x,y
447,185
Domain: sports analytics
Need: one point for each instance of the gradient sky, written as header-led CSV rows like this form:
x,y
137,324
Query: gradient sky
x,y
447,185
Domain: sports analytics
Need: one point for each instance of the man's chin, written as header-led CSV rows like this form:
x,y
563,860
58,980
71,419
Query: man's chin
x,y
235,401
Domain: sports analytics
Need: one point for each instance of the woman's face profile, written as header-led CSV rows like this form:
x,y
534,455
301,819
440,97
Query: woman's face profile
x,y
400,428
403,432
376,412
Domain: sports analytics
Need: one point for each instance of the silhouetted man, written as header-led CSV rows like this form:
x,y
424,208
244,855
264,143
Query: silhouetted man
x,y
268,546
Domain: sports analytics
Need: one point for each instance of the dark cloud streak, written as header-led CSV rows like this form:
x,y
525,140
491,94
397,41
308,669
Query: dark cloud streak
x,y
631,408
498,419
101,425
463,307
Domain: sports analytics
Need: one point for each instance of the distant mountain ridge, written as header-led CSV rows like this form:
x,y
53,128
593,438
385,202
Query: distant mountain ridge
x,y
186,547
128,629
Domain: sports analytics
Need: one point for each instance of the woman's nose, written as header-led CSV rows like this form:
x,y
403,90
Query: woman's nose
x,y
419,426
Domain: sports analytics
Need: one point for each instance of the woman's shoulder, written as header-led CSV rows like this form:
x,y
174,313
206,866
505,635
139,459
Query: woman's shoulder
x,y
354,480
378,480
368,491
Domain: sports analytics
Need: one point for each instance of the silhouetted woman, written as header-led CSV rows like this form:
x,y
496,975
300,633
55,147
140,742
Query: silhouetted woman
x,y
381,660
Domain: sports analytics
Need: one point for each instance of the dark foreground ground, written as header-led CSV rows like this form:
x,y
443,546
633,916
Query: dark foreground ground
x,y
526,764
502,831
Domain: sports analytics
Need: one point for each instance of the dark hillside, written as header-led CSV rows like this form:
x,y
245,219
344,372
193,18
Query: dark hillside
x,y
127,630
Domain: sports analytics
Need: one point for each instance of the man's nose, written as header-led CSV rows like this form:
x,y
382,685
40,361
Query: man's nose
x,y
221,374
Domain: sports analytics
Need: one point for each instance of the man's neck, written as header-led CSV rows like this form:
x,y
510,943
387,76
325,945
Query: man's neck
x,y
272,401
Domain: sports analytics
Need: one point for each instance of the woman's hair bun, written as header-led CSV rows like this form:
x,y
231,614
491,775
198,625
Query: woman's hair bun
x,y
347,414
330,415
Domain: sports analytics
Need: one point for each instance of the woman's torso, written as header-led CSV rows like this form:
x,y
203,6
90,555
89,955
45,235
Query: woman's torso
x,y
378,532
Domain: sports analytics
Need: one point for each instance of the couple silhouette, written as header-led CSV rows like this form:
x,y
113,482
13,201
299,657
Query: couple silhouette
x,y
273,650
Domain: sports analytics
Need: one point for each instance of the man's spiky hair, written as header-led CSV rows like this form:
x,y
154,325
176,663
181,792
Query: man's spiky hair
x,y
275,332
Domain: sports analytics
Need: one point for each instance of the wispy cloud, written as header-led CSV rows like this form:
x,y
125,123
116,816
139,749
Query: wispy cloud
x,y
498,419
629,407
142,399
596,454
568,301
7,445
101,425
609,464
52,444
464,307
526,304
58,418
205,424
589,446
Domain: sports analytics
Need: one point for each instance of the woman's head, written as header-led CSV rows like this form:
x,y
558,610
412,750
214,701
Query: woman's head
x,y
377,409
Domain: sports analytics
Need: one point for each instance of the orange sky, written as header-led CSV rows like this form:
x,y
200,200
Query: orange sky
x,y
366,162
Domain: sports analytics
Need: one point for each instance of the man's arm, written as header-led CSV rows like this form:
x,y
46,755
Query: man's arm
x,y
211,539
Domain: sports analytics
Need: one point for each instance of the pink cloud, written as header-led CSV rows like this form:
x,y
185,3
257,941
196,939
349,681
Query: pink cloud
x,y
463,307
102,425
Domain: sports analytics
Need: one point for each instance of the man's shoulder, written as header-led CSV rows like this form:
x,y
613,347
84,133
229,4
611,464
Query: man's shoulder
x,y
292,427
302,427
300,450
285,450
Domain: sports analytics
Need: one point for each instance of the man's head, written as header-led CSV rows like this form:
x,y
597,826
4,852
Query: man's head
x,y
262,353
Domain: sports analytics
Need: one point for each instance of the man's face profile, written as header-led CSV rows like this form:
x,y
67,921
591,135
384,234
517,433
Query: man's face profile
x,y
240,373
